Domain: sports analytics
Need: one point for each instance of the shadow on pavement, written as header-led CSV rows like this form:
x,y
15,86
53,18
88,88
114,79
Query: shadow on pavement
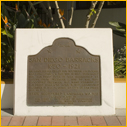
x,y
6,112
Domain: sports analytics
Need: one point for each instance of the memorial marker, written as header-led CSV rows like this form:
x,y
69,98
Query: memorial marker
x,y
63,74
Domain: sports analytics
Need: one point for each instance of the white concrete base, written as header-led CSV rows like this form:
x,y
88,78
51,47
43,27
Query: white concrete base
x,y
120,95
120,111
96,41
9,112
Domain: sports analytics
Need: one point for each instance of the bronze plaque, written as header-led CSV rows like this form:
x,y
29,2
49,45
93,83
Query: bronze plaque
x,y
63,74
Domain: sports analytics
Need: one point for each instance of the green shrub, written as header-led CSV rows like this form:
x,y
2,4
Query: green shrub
x,y
120,63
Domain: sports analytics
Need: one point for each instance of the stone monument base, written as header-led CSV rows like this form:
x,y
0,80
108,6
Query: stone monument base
x,y
30,42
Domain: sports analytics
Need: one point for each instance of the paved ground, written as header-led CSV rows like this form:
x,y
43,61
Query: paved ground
x,y
7,119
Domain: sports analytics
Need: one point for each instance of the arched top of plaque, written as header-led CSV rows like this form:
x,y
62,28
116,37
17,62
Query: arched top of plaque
x,y
67,44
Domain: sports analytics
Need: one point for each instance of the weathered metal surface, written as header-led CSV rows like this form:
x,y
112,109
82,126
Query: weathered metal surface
x,y
63,74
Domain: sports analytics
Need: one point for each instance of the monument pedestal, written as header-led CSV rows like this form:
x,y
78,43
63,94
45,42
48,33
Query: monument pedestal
x,y
64,72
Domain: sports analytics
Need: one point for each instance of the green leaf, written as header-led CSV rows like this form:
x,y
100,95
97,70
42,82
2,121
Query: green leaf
x,y
3,43
37,2
4,49
91,13
122,25
35,23
26,23
116,24
1,14
94,12
21,20
7,33
120,29
14,27
9,9
122,34
29,9
4,10
29,24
